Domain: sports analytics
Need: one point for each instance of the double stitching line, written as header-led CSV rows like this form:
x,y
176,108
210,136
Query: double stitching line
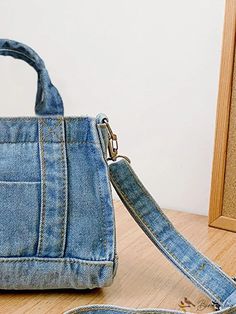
x,y
65,187
43,187
63,204
104,235
51,130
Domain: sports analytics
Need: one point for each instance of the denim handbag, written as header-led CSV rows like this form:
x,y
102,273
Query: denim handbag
x,y
57,226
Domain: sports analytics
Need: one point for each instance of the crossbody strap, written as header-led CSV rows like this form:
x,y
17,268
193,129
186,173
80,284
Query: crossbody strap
x,y
199,269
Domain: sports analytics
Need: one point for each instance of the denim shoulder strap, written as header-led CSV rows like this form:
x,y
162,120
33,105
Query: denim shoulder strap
x,y
48,99
198,268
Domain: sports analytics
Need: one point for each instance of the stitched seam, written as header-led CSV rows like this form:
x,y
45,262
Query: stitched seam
x,y
44,260
102,204
20,53
45,141
43,189
36,119
153,233
62,204
103,148
99,189
52,130
19,182
172,226
74,142
65,205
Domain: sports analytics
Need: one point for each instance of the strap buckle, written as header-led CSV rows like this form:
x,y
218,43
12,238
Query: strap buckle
x,y
113,143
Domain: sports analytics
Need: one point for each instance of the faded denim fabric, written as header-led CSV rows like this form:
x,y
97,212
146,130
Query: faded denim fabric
x,y
194,265
57,221
48,100
203,273
56,216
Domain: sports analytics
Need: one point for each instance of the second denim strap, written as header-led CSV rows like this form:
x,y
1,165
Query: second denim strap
x,y
198,268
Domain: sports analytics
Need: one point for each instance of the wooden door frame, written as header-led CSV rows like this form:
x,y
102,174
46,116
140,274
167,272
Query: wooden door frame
x,y
216,219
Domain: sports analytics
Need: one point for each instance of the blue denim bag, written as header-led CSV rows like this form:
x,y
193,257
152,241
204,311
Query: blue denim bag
x,y
57,225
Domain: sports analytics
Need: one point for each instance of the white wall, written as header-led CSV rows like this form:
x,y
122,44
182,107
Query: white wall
x,y
151,65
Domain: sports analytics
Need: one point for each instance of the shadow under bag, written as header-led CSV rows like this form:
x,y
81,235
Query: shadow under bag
x,y
57,226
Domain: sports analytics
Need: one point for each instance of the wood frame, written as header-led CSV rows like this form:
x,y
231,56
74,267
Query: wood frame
x,y
216,219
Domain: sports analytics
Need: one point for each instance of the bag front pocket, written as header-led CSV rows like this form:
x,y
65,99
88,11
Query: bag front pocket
x,y
19,212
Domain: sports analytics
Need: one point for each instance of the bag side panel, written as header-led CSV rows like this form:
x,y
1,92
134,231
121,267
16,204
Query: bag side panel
x,y
90,233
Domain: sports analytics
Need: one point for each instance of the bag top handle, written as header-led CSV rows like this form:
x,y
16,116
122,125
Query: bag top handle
x,y
48,99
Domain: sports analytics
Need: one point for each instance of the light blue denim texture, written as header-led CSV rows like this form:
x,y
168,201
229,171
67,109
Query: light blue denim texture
x,y
48,100
199,269
56,214
57,222
205,274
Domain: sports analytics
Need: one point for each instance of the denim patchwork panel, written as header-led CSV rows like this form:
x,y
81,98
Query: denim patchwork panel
x,y
57,220
56,214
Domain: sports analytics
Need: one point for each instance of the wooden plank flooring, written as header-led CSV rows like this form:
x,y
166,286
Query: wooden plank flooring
x,y
144,278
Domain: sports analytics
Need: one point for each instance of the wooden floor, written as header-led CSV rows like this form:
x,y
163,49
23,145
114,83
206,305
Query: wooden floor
x,y
144,278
